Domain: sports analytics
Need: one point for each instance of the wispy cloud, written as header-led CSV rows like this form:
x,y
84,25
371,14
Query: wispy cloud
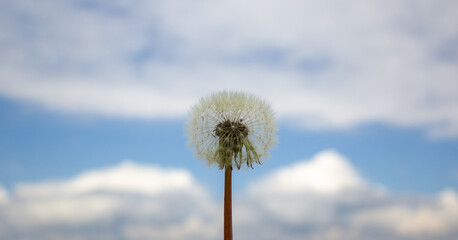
x,y
324,65
320,198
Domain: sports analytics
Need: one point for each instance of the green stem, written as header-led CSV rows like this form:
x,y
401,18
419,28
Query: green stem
x,y
228,203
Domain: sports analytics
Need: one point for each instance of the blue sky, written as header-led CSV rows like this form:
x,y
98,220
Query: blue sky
x,y
94,97
59,146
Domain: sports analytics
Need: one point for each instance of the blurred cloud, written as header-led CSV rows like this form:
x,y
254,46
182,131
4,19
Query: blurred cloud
x,y
3,195
323,198
326,173
439,218
128,177
128,201
323,65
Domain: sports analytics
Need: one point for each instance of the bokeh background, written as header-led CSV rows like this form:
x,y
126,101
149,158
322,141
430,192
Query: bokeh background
x,y
94,97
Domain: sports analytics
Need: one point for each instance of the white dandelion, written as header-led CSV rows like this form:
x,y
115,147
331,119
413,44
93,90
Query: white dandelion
x,y
231,128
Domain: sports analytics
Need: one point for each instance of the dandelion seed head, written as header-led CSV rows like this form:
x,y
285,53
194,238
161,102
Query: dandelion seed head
x,y
231,128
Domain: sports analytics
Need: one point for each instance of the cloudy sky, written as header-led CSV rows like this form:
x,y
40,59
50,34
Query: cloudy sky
x,y
94,96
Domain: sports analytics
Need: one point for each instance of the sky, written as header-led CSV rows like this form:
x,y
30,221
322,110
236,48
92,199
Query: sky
x,y
95,95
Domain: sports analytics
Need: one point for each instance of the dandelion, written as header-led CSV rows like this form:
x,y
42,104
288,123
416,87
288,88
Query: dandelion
x,y
231,129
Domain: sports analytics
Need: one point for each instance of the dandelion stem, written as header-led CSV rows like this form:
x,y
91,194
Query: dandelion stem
x,y
228,203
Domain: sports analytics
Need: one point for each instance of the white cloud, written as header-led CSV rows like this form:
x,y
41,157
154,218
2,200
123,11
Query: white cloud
x,y
429,220
192,228
3,195
327,173
307,192
59,210
323,64
324,198
102,194
127,177
119,202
